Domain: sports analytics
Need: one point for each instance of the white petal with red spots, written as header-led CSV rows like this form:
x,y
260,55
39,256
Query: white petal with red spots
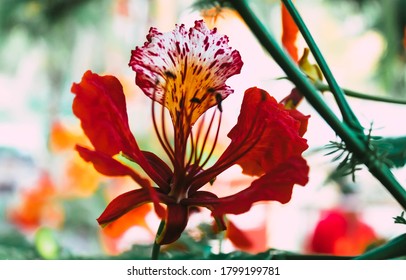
x,y
187,68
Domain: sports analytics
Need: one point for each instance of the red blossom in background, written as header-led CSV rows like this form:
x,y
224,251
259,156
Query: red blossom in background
x,y
39,206
342,233
185,71
289,33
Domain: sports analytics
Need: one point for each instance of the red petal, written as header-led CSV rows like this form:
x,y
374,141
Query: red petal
x,y
302,119
175,223
275,185
267,142
238,237
123,204
100,105
128,201
110,167
135,217
268,130
161,168
265,136
292,100
198,198
289,33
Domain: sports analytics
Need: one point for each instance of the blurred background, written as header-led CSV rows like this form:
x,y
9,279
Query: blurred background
x,y
50,198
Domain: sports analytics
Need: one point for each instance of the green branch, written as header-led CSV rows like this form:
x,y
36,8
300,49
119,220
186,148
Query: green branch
x,y
395,248
347,114
356,94
359,146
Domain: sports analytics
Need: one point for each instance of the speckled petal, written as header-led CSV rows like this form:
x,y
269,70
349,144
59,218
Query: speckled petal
x,y
185,70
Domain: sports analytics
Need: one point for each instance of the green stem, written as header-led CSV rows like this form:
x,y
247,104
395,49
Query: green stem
x,y
293,256
156,247
348,115
275,254
348,92
355,144
395,248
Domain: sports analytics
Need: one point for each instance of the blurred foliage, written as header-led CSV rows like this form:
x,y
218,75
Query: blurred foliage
x,y
46,243
14,246
389,19
50,27
41,16
209,4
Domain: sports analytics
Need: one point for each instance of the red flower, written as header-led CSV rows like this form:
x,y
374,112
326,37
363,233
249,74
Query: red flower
x,y
185,72
341,233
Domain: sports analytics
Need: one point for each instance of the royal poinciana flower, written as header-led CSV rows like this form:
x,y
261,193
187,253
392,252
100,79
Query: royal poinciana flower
x,y
184,72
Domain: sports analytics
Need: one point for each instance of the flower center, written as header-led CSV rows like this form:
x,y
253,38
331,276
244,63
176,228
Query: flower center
x,y
190,150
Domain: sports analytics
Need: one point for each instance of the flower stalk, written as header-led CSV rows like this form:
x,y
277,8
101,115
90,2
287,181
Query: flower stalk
x,y
157,247
358,145
395,248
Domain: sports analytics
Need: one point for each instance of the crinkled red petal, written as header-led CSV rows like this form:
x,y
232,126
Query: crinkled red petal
x,y
302,119
268,130
276,185
100,105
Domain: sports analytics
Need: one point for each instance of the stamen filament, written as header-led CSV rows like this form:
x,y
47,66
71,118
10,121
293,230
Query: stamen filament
x,y
205,138
199,131
215,142
164,135
192,150
201,179
164,143
181,135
